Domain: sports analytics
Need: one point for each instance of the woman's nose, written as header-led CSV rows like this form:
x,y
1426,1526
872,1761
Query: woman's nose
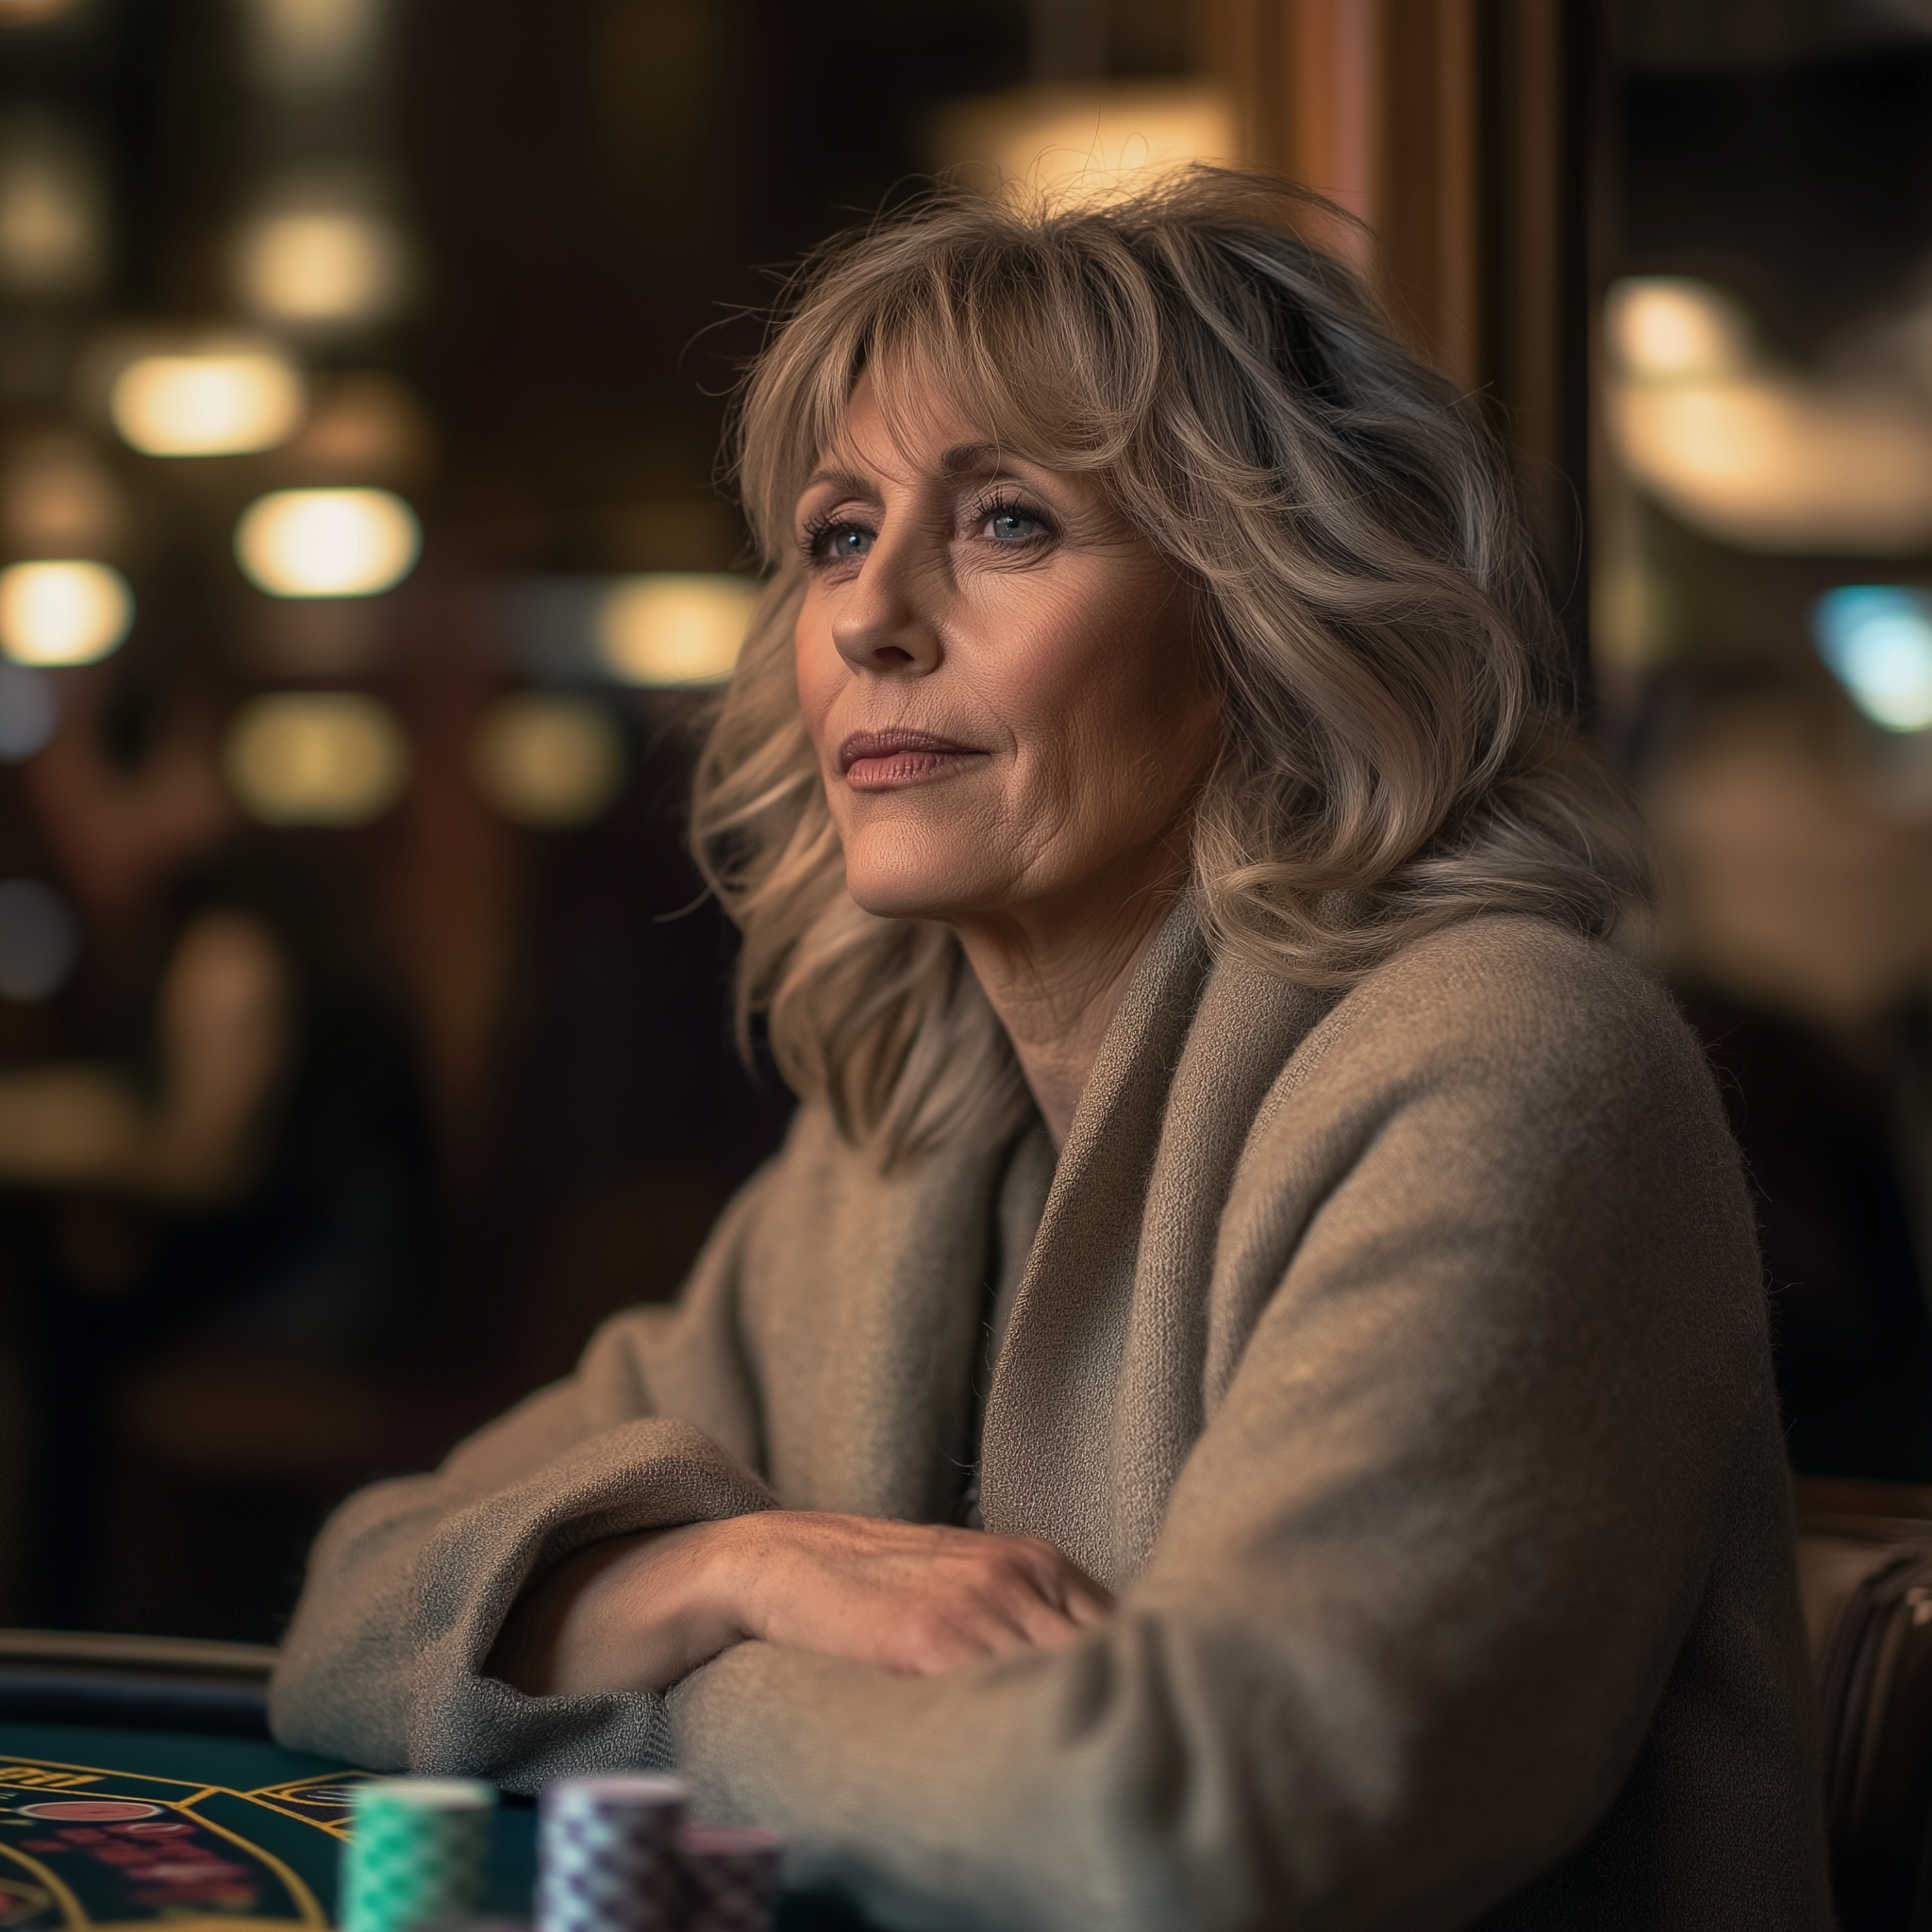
x,y
885,625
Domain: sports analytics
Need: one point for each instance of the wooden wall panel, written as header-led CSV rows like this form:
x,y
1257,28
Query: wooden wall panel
x,y
1456,129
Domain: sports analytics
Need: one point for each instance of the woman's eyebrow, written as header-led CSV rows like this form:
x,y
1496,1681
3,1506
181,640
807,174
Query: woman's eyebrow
x,y
974,459
844,481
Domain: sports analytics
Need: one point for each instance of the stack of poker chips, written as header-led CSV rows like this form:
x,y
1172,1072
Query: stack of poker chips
x,y
417,1853
614,1854
730,1877
608,1856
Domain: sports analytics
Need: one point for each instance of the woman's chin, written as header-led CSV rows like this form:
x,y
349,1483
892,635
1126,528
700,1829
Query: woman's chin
x,y
896,891
902,900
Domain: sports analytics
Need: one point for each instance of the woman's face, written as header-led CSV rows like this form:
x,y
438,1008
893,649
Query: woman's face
x,y
1000,676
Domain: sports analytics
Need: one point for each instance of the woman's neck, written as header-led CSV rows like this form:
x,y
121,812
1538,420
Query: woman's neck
x,y
1056,974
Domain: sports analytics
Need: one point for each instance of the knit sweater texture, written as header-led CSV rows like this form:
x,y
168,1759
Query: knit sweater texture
x,y
1399,1357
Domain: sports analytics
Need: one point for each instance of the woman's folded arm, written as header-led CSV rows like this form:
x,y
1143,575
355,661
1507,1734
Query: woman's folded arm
x,y
1496,1468
388,1659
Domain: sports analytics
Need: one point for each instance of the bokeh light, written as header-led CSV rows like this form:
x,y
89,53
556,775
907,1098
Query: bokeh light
x,y
322,265
675,627
29,712
1754,455
1089,140
64,611
53,239
361,427
327,542
40,940
307,44
32,12
57,499
1877,640
221,402
334,758
1669,328
548,759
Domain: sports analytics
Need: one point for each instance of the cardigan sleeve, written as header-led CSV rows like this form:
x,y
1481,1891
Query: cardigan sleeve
x,y
1501,1412
411,1580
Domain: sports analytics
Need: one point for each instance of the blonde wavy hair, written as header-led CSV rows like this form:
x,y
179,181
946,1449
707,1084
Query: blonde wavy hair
x,y
1399,745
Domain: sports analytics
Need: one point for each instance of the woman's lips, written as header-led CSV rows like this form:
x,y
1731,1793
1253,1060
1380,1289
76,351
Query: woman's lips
x,y
883,760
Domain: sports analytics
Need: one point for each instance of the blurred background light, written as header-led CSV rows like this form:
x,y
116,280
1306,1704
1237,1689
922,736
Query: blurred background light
x,y
675,627
225,401
32,12
310,266
1097,135
29,710
40,940
1877,640
334,758
57,499
63,612
53,239
311,44
361,426
1751,455
547,759
327,542
1666,327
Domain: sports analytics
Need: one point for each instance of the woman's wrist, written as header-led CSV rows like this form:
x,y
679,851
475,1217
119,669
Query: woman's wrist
x,y
624,1614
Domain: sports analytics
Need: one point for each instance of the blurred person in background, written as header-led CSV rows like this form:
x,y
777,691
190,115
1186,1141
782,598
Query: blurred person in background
x,y
236,1171
1797,930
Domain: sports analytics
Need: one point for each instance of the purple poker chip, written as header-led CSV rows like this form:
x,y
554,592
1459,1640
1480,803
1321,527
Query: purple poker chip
x,y
730,1877
608,1858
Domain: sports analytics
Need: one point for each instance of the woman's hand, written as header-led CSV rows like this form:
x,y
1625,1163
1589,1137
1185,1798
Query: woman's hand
x,y
639,1613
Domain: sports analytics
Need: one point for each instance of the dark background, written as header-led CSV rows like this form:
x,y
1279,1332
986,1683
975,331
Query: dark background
x,y
510,1102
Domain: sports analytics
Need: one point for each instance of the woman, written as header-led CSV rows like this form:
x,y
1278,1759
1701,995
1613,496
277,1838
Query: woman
x,y
1244,1398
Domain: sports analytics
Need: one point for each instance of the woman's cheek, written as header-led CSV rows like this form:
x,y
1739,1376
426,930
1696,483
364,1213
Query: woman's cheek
x,y
816,676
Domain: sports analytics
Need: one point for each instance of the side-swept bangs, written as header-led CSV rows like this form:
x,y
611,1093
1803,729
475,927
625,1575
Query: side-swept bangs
x,y
1054,360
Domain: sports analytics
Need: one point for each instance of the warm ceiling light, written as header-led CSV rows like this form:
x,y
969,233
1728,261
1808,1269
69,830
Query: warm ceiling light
x,y
57,500
1750,453
32,12
1670,328
51,229
1767,463
67,612
316,758
322,265
1090,140
327,542
361,426
675,627
548,761
218,403
308,43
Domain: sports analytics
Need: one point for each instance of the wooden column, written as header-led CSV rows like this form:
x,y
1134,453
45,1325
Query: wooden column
x,y
1457,130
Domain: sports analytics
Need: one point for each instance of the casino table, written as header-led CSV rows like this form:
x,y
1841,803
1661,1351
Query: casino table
x,y
109,1828
139,1788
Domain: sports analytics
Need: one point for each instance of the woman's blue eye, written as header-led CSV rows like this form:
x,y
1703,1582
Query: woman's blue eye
x,y
1013,526
847,541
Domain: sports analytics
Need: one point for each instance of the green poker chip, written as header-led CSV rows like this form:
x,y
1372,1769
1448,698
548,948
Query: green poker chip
x,y
417,1852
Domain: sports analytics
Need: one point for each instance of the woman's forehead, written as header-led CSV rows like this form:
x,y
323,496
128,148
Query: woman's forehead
x,y
904,417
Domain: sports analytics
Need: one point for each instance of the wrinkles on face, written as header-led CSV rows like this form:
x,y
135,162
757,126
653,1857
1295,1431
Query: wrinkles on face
x,y
1011,613
1004,685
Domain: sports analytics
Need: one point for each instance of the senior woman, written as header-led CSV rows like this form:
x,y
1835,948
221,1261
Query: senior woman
x,y
1244,1398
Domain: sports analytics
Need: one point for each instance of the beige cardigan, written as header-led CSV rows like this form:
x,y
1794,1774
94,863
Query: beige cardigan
x,y
1400,1358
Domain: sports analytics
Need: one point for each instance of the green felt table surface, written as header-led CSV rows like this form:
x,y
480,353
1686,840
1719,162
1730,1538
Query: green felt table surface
x,y
106,1829
103,1828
